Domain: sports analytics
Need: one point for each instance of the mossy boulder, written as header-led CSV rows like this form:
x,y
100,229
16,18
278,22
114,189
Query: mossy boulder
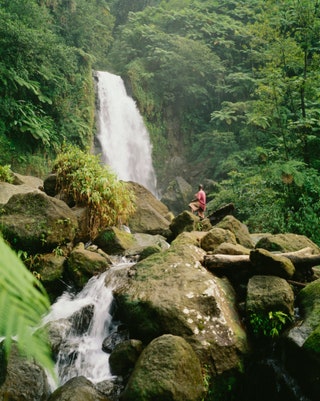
x,y
77,389
265,262
185,221
151,215
269,294
286,243
215,237
51,269
35,222
167,370
171,292
302,351
82,264
115,241
239,229
124,357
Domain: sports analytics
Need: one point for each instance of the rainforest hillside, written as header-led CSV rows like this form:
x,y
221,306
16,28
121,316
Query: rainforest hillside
x,y
229,91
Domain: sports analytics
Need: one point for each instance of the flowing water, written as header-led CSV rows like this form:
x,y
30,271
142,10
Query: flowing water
x,y
81,350
124,139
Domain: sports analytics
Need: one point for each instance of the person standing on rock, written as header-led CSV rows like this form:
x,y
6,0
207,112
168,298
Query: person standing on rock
x,y
199,203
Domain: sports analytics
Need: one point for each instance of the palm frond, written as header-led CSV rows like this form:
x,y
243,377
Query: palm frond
x,y
23,302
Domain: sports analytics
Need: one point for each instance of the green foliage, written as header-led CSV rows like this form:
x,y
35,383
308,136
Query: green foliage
x,y
81,175
269,324
23,302
6,174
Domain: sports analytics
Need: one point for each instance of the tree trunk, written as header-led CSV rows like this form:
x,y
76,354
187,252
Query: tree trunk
x,y
303,259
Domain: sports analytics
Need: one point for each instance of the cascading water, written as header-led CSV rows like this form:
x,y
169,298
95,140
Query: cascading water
x,y
80,351
124,139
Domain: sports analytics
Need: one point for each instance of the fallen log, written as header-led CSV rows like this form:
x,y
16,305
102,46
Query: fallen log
x,y
304,259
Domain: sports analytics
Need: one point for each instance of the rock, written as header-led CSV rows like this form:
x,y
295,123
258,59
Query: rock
x,y
215,237
265,262
83,264
286,243
151,216
239,229
116,337
22,185
56,331
146,244
269,293
171,292
77,389
35,222
302,349
124,357
178,195
227,248
168,369
115,241
22,379
185,221
51,270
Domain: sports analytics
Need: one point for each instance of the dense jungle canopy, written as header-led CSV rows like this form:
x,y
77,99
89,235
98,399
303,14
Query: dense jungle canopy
x,y
231,88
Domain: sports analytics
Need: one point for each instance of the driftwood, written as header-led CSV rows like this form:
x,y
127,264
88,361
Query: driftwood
x,y
220,213
304,259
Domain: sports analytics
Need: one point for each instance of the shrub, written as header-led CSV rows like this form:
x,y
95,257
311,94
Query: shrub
x,y
6,174
81,175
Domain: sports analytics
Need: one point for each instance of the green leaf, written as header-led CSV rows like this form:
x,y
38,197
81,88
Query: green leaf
x,y
23,302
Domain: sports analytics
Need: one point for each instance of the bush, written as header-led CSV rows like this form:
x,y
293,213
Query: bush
x,y
80,175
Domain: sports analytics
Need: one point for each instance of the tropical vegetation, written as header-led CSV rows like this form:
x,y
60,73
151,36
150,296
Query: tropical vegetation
x,y
231,87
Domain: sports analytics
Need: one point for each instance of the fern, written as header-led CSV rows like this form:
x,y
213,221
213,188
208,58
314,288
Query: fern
x,y
23,302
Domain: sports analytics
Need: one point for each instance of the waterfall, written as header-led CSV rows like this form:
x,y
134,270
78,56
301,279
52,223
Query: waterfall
x,y
124,139
80,351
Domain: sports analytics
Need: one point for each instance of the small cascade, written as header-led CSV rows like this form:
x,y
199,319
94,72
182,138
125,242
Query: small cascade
x,y
83,321
124,139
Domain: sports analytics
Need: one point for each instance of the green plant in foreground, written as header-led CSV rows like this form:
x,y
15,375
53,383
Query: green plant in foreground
x,y
269,324
23,302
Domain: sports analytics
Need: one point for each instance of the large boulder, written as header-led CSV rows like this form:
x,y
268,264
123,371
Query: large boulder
x,y
21,185
170,292
286,243
302,346
217,236
50,268
178,195
151,215
82,264
269,294
168,370
185,221
22,379
35,222
239,229
264,262
77,389
117,241
124,356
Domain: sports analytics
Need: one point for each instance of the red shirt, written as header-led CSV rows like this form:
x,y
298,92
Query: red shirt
x,y
201,196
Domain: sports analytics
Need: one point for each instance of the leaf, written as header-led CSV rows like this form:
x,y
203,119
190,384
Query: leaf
x,y
23,302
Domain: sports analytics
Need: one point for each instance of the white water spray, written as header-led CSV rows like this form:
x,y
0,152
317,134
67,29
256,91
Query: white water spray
x,y
81,354
124,139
